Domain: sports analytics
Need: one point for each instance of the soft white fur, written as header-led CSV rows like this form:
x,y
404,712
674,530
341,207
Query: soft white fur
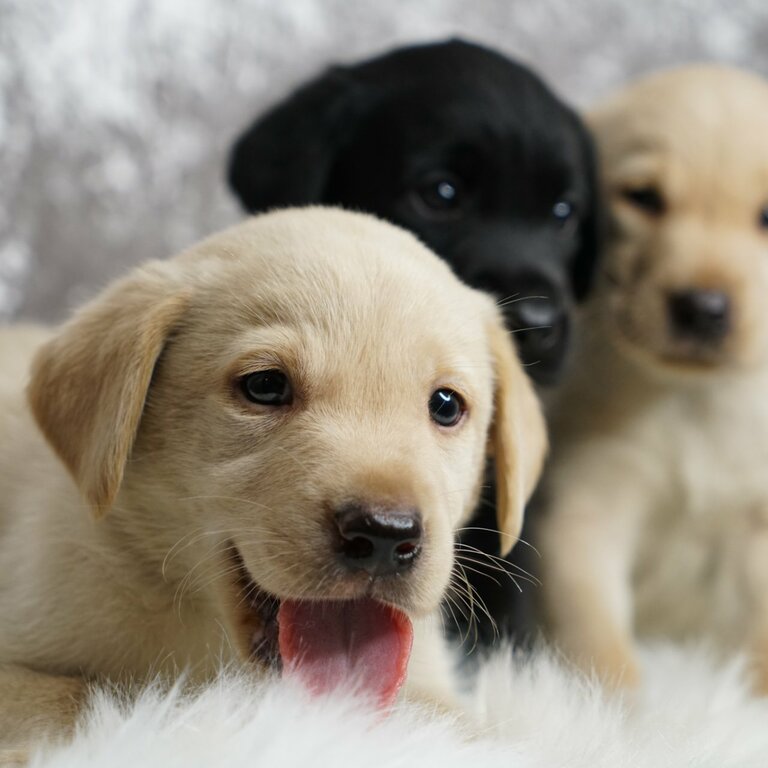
x,y
691,711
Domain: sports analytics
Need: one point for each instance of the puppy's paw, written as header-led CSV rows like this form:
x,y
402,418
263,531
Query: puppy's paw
x,y
620,672
615,666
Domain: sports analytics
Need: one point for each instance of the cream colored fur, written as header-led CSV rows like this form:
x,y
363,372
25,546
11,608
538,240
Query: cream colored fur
x,y
114,533
657,495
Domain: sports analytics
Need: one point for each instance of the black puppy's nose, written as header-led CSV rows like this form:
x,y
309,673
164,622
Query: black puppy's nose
x,y
379,540
539,326
700,315
534,314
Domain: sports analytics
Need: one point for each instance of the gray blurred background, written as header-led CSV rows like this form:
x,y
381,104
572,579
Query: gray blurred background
x,y
116,115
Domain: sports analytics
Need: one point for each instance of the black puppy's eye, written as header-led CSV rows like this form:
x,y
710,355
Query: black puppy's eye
x,y
446,407
563,211
270,387
763,218
441,192
648,199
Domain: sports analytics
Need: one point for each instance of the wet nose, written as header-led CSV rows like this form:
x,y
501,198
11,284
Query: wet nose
x,y
700,315
537,314
381,541
539,325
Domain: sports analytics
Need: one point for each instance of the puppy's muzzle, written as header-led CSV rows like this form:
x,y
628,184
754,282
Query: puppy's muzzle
x,y
381,541
540,328
702,316
539,320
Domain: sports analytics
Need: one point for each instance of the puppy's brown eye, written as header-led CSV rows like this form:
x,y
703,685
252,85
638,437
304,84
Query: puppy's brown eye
x,y
446,407
648,199
270,387
763,218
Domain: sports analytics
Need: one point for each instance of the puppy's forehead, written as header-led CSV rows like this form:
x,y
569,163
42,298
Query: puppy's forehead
x,y
348,276
711,118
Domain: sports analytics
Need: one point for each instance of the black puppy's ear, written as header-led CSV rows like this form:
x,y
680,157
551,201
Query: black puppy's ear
x,y
286,156
584,266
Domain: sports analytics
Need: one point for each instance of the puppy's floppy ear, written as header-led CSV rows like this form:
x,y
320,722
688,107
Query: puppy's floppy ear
x,y
89,383
585,262
286,157
518,437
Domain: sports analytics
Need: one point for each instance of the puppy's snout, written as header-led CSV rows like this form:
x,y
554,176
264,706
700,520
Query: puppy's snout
x,y
700,315
537,315
540,327
379,540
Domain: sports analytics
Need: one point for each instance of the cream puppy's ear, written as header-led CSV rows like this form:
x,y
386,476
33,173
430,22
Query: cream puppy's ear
x,y
518,437
89,383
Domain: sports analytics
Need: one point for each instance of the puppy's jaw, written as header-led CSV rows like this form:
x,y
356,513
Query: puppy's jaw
x,y
252,612
293,554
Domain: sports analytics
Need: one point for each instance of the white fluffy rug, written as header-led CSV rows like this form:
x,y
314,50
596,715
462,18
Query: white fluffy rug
x,y
690,712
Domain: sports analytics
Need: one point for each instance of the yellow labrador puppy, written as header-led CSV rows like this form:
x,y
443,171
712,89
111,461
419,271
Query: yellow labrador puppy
x,y
256,451
658,492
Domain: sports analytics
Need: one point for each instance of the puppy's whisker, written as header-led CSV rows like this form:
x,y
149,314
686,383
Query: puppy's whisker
x,y
515,580
529,328
479,572
517,298
184,584
198,586
475,599
293,458
192,535
517,540
236,499
465,593
448,603
511,299
486,612
497,562
196,535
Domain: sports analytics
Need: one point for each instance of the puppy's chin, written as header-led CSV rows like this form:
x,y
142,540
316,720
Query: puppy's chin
x,y
674,360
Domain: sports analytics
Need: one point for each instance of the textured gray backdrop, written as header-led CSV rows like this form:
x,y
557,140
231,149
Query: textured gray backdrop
x,y
115,115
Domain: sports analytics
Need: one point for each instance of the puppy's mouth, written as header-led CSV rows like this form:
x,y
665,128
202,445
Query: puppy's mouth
x,y
666,353
359,644
673,356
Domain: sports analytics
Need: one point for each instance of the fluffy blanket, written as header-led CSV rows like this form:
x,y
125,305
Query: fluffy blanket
x,y
691,711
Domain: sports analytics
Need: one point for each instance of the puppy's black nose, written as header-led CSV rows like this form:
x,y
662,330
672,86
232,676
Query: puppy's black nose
x,y
700,315
379,540
540,330
535,315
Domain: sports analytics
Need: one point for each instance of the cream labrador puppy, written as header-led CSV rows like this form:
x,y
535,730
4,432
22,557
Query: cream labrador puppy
x,y
256,452
657,495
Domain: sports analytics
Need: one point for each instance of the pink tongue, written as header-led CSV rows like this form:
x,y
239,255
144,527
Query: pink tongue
x,y
360,643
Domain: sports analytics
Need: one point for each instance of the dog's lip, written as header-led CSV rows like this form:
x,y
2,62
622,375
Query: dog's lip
x,y
365,642
257,611
677,357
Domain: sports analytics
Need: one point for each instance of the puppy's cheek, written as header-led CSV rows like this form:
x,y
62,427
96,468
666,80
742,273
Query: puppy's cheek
x,y
289,560
636,314
750,340
649,314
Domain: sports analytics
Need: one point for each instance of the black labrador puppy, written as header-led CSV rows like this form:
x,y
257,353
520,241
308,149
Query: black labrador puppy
x,y
473,153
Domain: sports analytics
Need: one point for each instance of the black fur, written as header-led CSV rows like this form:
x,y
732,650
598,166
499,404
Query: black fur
x,y
387,135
